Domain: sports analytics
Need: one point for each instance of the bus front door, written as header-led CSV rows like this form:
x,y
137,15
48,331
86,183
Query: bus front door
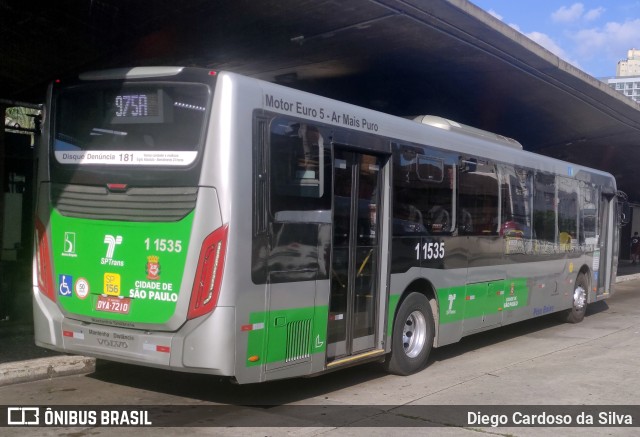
x,y
353,303
608,244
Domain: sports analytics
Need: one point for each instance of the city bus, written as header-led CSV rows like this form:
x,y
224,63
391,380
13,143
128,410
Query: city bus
x,y
208,222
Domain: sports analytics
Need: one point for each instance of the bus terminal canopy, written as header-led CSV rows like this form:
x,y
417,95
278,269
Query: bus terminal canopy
x,y
403,57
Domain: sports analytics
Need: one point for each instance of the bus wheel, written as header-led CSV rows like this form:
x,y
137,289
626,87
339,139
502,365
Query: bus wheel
x,y
576,313
412,338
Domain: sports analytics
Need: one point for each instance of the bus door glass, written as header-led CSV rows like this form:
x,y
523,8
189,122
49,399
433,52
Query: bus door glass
x,y
602,258
353,311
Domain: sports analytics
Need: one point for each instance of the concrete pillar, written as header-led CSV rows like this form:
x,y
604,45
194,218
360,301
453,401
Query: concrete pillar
x,y
4,301
3,108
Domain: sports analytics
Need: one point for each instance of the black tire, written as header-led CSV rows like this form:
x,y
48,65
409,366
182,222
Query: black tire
x,y
412,338
580,293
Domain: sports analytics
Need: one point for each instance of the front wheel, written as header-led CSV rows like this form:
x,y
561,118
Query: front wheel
x,y
412,337
579,308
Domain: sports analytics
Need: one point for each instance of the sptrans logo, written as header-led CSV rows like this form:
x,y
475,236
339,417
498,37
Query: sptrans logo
x,y
111,242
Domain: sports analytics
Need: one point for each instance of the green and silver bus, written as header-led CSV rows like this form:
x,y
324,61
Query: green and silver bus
x,y
208,222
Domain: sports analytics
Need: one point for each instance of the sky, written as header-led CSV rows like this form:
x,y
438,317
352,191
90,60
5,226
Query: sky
x,y
593,35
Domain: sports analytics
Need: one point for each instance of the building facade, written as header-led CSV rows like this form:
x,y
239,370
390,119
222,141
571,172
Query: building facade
x,y
627,79
629,86
629,66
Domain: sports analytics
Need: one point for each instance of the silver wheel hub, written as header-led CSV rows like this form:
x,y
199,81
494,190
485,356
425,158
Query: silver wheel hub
x,y
579,298
414,334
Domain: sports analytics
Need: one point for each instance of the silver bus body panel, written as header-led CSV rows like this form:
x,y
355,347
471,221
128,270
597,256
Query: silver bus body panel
x,y
286,296
191,349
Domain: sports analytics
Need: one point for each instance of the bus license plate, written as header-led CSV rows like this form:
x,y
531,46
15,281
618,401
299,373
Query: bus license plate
x,y
113,304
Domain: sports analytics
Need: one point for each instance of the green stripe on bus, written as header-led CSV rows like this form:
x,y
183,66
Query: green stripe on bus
x,y
393,304
294,334
483,298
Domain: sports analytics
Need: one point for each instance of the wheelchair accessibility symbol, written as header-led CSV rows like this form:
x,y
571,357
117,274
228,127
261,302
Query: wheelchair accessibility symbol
x,y
66,285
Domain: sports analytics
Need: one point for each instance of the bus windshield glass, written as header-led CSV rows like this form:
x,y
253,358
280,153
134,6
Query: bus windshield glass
x,y
130,124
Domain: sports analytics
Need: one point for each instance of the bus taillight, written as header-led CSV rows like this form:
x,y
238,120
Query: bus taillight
x,y
206,286
43,262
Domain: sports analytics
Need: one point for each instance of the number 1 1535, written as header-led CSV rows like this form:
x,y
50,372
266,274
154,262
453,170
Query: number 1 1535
x,y
163,245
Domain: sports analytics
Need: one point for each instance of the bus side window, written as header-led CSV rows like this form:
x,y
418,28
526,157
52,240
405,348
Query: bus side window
x,y
515,186
478,198
297,169
567,213
423,191
544,209
588,232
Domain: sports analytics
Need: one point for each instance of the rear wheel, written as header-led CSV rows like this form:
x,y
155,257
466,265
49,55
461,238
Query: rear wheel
x,y
412,338
576,313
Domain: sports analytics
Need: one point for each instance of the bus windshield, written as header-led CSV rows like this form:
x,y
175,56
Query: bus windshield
x,y
130,124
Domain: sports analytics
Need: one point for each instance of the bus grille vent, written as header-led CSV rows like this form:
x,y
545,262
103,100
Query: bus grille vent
x,y
136,204
298,342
